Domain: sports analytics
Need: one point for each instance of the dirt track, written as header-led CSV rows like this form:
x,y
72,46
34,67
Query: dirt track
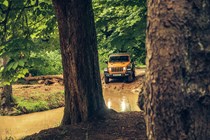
x,y
115,84
118,84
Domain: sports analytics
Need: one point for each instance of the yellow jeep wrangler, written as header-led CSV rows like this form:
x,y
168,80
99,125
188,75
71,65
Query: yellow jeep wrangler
x,y
119,65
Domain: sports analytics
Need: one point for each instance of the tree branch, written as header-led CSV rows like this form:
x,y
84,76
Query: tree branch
x,y
9,9
4,22
16,8
34,5
27,7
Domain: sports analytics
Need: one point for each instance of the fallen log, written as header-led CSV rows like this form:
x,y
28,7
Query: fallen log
x,y
45,79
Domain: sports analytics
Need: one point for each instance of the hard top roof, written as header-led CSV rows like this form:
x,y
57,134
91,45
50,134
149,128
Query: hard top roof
x,y
119,54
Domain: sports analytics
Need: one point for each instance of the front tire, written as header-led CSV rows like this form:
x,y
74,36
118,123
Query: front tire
x,y
129,78
134,76
106,79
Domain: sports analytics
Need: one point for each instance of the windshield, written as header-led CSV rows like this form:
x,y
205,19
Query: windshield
x,y
119,59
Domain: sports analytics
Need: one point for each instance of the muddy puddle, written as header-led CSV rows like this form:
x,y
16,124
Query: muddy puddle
x,y
17,127
121,101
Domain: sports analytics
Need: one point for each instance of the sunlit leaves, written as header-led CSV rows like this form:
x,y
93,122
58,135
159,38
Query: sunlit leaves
x,y
48,62
24,25
12,72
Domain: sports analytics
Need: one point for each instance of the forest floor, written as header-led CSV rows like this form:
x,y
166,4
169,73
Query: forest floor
x,y
112,126
115,126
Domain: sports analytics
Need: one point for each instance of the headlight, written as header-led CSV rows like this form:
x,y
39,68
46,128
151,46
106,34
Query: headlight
x,y
124,68
128,68
105,69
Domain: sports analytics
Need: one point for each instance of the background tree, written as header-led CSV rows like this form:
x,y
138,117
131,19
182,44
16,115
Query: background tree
x,y
177,88
6,100
83,90
21,24
9,21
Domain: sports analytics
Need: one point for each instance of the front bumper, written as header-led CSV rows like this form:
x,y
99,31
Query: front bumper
x,y
117,75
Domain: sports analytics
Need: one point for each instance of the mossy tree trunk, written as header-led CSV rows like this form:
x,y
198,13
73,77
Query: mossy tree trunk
x,y
6,100
83,90
177,86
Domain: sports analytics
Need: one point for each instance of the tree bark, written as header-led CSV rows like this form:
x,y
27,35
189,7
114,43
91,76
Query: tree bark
x,y
83,90
177,86
6,99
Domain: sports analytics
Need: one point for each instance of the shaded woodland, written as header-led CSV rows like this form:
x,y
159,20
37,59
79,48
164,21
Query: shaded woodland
x,y
175,97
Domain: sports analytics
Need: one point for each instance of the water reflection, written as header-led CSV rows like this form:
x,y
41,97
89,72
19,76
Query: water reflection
x,y
121,102
122,105
125,106
109,103
20,126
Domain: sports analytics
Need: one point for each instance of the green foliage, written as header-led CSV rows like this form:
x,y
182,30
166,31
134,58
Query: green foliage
x,y
17,52
22,23
32,106
46,63
120,26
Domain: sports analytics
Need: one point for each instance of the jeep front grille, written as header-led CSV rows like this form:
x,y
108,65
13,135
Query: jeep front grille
x,y
117,69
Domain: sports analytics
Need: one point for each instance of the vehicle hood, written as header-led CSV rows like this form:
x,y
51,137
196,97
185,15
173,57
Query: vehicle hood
x,y
118,64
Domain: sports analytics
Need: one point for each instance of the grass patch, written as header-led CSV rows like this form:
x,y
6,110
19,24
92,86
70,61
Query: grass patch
x,y
140,66
29,106
38,102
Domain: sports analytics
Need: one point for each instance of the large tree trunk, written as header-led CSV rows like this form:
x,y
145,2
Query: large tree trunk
x,y
6,99
177,86
83,90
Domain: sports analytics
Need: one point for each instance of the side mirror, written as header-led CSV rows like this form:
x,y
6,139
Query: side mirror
x,y
132,60
106,62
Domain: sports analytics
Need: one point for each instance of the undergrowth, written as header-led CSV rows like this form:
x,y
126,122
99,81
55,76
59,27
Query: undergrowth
x,y
38,102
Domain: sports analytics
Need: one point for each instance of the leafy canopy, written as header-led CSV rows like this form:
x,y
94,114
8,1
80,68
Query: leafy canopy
x,y
23,23
29,36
